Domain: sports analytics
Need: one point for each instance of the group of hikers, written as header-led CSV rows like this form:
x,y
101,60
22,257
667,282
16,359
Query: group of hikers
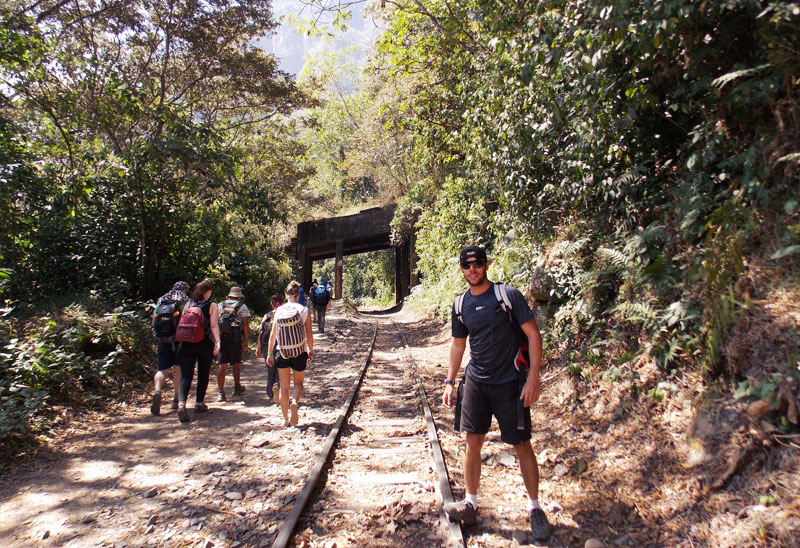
x,y
501,378
192,330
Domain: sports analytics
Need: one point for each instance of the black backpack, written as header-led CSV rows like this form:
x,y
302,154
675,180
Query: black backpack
x,y
230,326
264,331
168,314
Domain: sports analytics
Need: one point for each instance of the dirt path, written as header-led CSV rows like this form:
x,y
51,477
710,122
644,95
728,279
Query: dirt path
x,y
130,479
627,471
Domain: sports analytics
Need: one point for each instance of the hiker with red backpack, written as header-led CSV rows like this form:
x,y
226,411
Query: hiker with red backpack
x,y
198,335
291,345
165,320
234,332
503,335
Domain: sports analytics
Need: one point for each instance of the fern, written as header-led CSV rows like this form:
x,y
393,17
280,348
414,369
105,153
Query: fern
x,y
618,259
735,75
645,313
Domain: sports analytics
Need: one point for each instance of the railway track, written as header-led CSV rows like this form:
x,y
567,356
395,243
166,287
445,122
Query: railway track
x,y
379,478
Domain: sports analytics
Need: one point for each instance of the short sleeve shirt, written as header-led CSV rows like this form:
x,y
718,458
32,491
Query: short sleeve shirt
x,y
241,314
492,337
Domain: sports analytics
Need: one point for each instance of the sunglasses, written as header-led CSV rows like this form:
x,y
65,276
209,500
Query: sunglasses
x,y
477,263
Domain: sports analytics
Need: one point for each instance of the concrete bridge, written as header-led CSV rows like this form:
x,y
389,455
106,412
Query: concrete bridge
x,y
365,231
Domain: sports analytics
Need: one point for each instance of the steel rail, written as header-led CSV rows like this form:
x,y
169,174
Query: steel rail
x,y
285,534
456,535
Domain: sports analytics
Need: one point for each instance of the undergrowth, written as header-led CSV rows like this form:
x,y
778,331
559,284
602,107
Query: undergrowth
x,y
81,352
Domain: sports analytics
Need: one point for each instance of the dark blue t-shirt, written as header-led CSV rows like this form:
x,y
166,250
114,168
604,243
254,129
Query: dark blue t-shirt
x,y
492,340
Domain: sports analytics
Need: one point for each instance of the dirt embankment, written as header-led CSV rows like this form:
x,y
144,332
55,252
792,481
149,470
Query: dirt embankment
x,y
693,469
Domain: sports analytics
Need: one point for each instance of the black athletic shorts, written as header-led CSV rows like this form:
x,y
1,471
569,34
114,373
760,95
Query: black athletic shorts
x,y
167,357
482,400
230,352
297,364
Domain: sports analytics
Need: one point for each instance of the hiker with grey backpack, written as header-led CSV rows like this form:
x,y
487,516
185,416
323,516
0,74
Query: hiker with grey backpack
x,y
234,330
501,380
291,347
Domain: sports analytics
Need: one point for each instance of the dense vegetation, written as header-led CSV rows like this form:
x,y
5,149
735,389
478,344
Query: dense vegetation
x,y
140,143
641,157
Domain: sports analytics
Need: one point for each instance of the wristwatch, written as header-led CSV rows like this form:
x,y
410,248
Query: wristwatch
x,y
450,382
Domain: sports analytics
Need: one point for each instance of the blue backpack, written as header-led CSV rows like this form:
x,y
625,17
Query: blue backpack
x,y
321,296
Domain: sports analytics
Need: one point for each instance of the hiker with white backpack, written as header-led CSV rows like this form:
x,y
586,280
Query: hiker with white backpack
x,y
291,346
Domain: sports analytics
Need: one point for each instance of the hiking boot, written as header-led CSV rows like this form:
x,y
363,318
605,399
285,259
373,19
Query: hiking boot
x,y
200,407
276,393
540,527
221,397
155,405
238,390
174,403
293,414
461,511
183,414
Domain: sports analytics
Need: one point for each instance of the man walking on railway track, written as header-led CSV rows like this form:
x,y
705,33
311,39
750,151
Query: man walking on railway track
x,y
498,322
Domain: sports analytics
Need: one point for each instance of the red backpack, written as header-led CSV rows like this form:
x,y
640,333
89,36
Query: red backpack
x,y
192,326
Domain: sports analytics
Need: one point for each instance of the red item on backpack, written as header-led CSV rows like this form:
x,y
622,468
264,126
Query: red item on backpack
x,y
192,326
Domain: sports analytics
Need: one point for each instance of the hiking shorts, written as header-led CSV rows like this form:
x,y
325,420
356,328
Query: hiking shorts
x,y
482,400
230,352
167,357
297,364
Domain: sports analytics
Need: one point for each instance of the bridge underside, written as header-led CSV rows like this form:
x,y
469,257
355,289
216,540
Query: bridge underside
x,y
365,231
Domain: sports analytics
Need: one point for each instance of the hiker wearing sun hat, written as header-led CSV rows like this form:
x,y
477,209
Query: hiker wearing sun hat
x,y
234,330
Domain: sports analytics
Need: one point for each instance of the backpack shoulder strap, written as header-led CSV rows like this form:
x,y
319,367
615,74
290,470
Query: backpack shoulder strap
x,y
501,292
459,305
237,306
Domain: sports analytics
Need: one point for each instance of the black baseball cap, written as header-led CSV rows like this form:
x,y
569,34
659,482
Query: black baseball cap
x,y
472,252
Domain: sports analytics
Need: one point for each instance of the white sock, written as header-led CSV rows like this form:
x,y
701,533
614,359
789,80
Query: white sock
x,y
533,504
472,499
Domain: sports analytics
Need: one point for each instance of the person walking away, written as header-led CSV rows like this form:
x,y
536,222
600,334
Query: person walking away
x,y
302,298
491,315
313,306
198,334
165,319
291,346
264,331
234,331
322,299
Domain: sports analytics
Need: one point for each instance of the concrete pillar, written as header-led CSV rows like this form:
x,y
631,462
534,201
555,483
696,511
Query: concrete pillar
x,y
308,269
398,276
338,269
413,248
405,268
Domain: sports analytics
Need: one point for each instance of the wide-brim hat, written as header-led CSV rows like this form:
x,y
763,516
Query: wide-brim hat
x,y
235,292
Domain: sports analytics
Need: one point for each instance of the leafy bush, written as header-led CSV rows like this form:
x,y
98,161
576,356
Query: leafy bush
x,y
77,354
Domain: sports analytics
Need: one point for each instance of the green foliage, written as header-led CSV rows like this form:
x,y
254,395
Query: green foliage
x,y
77,354
631,149
143,146
369,278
